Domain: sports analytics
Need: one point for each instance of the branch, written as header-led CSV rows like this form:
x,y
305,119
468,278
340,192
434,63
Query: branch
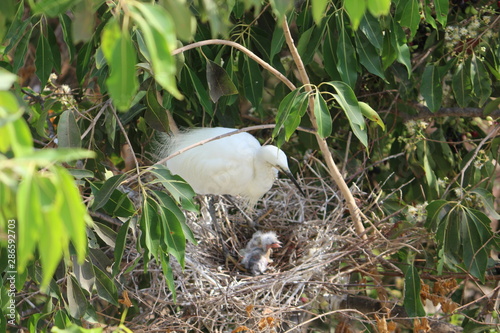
x,y
424,112
243,49
332,168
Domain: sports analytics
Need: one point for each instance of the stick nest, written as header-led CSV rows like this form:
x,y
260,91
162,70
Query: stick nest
x,y
215,294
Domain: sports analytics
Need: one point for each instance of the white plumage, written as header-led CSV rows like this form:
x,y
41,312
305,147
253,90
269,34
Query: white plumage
x,y
236,165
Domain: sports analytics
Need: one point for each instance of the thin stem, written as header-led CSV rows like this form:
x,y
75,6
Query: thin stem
x,y
332,168
243,49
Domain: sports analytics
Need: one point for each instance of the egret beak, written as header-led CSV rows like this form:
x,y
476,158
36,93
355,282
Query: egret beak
x,y
294,181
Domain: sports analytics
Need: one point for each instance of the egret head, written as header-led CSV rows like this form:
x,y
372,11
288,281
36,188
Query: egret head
x,y
276,158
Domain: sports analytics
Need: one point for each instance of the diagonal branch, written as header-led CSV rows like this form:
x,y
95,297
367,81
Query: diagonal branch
x,y
332,168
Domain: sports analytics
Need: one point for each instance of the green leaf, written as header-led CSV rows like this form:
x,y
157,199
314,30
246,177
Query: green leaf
x,y
442,9
121,241
48,156
435,213
398,41
285,108
322,114
276,42
105,233
101,197
293,120
44,61
54,49
84,273
488,201
219,82
173,234
355,9
21,49
348,102
481,82
431,88
52,8
491,106
176,186
379,7
84,20
68,132
122,82
330,53
169,275
252,81
370,27
346,57
281,7
412,301
84,55
368,56
371,114
29,212
200,91
106,288
184,21
167,202
66,28
151,228
77,302
409,15
158,30
319,9
73,212
6,81
462,86
474,253
156,116
428,14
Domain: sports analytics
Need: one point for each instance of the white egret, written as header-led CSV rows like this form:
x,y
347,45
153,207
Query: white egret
x,y
236,165
256,255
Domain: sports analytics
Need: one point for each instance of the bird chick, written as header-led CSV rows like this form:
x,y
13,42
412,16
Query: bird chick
x,y
258,251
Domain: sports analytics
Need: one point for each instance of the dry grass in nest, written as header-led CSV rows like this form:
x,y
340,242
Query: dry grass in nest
x,y
216,295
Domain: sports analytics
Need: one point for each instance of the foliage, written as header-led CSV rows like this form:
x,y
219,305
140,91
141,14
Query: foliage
x,y
99,76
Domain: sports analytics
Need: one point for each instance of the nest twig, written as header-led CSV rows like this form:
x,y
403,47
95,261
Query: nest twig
x,y
320,250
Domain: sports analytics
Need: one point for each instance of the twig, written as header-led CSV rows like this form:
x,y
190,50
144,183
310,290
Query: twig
x,y
243,49
332,168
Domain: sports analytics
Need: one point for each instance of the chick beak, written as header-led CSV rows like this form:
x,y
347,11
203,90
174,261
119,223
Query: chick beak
x,y
275,245
294,181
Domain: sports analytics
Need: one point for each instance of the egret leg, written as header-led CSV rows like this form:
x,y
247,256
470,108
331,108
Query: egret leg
x,y
251,222
211,210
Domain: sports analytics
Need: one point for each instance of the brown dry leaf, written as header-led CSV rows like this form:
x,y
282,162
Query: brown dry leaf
x,y
391,326
421,325
266,322
125,301
128,157
249,309
449,306
381,324
444,287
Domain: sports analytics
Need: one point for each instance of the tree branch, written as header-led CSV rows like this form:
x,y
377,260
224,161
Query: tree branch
x,y
332,168
424,112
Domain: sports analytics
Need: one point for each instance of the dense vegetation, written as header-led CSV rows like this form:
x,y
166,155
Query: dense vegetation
x,y
399,99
